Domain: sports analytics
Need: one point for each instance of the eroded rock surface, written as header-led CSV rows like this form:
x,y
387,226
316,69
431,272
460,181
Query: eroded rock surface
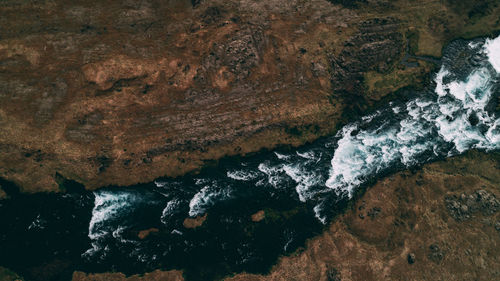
x,y
465,205
375,46
124,92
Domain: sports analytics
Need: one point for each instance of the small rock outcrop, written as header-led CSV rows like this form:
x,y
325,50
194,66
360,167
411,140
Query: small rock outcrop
x,y
436,255
374,212
411,258
332,274
465,205
377,46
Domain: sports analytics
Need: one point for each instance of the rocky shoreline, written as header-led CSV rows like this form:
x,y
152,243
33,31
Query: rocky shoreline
x,y
116,94
102,94
404,227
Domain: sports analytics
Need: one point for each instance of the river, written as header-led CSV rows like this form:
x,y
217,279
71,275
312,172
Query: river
x,y
300,190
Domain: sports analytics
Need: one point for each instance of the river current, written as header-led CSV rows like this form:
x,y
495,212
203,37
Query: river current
x,y
300,190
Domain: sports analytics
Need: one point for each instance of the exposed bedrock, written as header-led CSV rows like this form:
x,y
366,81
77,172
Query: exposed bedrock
x,y
375,47
125,92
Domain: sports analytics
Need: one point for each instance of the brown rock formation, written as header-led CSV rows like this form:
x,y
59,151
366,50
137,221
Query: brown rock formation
x,y
195,222
3,195
122,92
260,215
145,233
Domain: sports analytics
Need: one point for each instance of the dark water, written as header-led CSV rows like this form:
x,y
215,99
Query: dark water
x,y
48,236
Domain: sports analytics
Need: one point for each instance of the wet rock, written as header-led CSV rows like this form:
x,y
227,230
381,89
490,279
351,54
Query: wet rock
x,y
3,195
195,222
464,206
195,3
260,215
469,58
145,233
411,258
473,119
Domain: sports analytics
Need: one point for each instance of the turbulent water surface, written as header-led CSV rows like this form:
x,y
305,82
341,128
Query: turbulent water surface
x,y
299,190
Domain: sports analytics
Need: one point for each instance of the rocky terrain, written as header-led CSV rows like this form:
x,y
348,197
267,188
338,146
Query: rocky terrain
x,y
404,228
120,92
441,222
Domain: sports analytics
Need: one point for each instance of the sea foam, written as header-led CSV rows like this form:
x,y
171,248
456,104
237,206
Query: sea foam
x,y
493,51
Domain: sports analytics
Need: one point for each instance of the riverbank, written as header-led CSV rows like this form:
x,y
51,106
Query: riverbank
x,y
113,94
404,227
364,64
